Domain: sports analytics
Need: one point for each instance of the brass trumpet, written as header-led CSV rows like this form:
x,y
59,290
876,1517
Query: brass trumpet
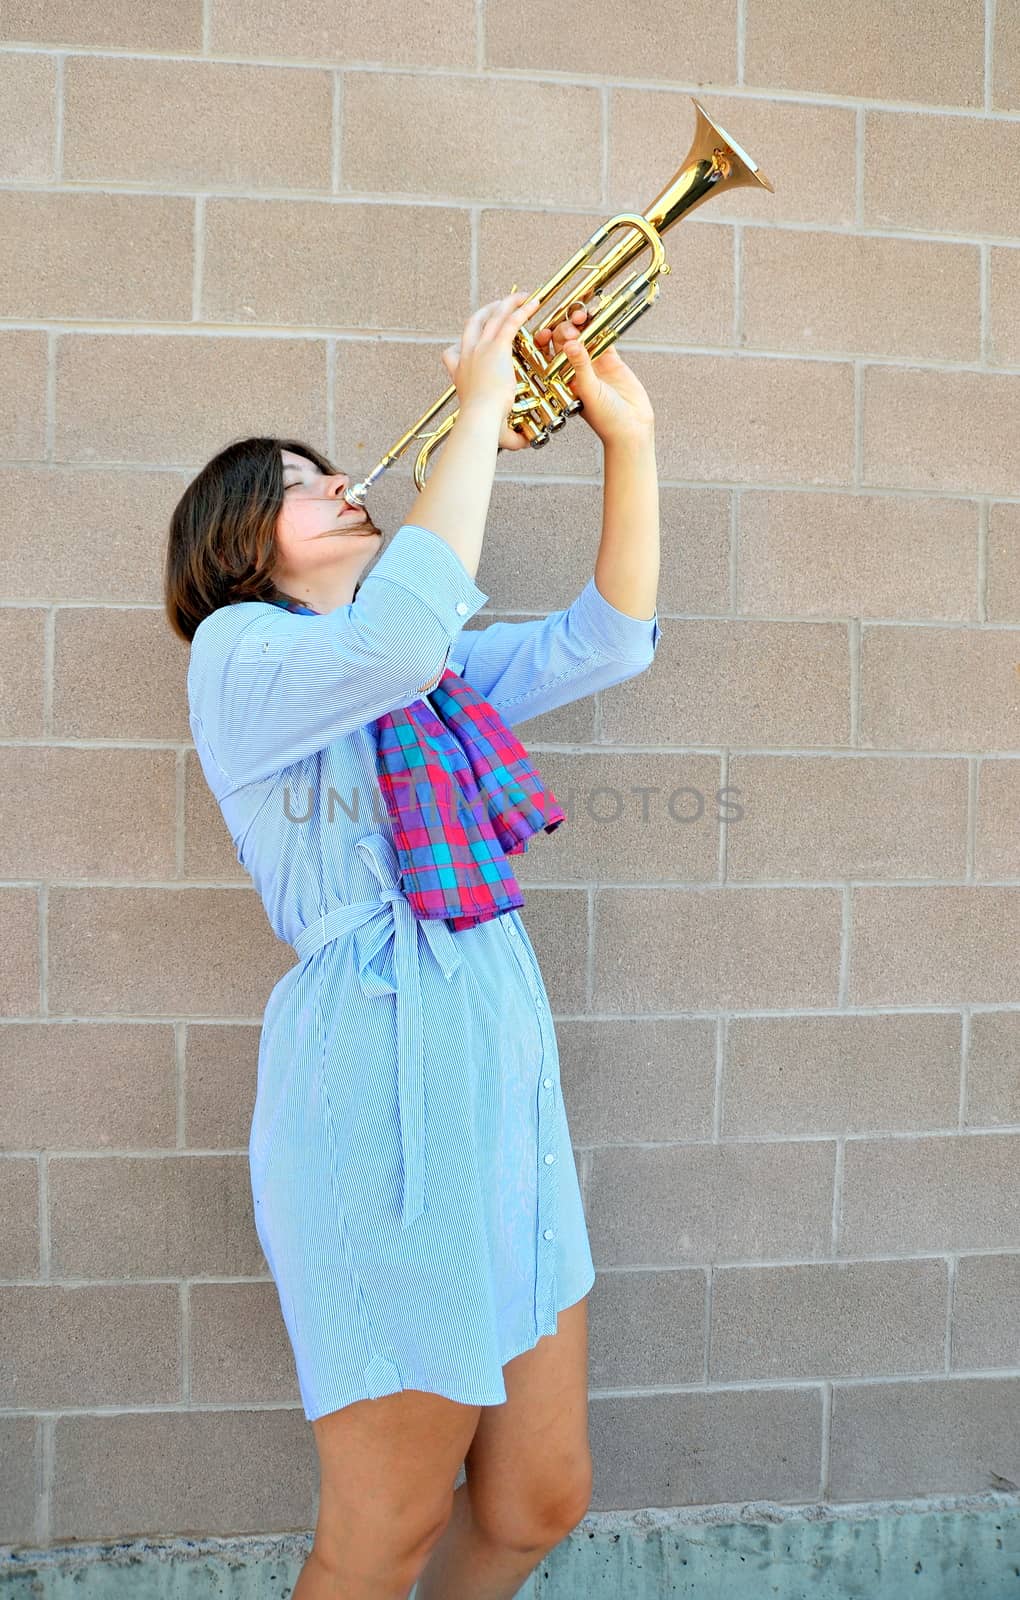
x,y
542,402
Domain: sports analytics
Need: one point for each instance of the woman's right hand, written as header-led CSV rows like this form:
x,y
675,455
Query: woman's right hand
x,y
481,365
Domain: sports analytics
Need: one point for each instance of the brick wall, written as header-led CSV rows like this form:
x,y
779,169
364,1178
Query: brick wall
x,y
790,1027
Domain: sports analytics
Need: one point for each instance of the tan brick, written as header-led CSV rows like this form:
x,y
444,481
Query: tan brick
x,y
371,33
670,1205
192,952
771,683
967,955
20,1470
956,1192
963,688
1003,576
540,243
860,296
22,669
799,1076
114,1345
221,1471
118,674
647,1329
705,1449
750,419
240,1352
838,1320
220,1078
620,1078
806,151
259,127
953,1436
78,533
986,1313
927,50
20,994
64,813
630,818
48,1093
473,148
915,176
28,116
389,266
716,948
152,1217
542,539
866,555
997,846
1004,306
993,1069
22,393
1006,57
19,1206
554,918
651,41
829,817
96,255
165,399
941,430
115,23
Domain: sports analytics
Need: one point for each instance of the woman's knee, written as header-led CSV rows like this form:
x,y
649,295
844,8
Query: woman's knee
x,y
539,1515
388,1551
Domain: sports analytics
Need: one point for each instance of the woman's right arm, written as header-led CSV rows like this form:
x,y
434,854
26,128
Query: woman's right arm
x,y
455,500
268,687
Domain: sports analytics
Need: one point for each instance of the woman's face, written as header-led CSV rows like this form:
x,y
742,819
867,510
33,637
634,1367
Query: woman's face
x,y
316,530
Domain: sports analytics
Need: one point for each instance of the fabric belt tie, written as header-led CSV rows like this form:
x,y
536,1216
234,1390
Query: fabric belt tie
x,y
389,922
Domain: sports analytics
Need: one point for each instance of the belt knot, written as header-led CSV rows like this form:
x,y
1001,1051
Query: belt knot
x,y
389,924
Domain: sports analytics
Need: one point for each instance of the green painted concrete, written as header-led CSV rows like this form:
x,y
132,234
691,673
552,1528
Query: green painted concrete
x,y
960,1550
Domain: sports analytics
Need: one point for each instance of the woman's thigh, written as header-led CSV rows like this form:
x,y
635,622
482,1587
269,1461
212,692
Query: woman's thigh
x,y
529,1465
387,1469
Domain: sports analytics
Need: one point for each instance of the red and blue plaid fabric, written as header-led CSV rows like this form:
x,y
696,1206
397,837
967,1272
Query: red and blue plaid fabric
x,y
462,795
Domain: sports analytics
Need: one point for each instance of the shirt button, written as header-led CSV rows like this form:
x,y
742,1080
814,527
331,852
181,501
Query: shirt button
x,y
546,1083
549,1160
548,1234
461,607
511,930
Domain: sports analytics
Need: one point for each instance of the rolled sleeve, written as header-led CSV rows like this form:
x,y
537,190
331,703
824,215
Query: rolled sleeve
x,y
614,633
526,668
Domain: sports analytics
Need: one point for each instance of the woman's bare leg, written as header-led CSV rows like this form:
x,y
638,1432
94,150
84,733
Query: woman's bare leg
x,y
387,1469
529,1473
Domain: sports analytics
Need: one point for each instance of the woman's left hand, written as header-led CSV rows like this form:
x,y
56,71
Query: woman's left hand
x,y
615,404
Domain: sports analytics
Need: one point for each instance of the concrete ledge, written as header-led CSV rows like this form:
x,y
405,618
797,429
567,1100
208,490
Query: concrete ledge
x,y
949,1549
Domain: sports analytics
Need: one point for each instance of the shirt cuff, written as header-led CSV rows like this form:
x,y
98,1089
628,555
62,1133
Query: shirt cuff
x,y
418,560
612,632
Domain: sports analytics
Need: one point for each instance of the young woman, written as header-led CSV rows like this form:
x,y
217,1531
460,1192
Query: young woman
x,y
412,1173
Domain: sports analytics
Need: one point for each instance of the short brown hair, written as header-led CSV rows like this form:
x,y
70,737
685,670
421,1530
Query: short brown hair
x,y
222,535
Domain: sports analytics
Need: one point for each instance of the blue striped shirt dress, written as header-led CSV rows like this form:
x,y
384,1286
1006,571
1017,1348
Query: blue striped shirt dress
x,y
413,1180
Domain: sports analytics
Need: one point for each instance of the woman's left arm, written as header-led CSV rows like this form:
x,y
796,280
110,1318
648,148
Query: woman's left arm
x,y
627,564
611,630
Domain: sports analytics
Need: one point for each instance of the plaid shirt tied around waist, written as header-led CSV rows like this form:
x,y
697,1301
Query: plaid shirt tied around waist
x,y
462,794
